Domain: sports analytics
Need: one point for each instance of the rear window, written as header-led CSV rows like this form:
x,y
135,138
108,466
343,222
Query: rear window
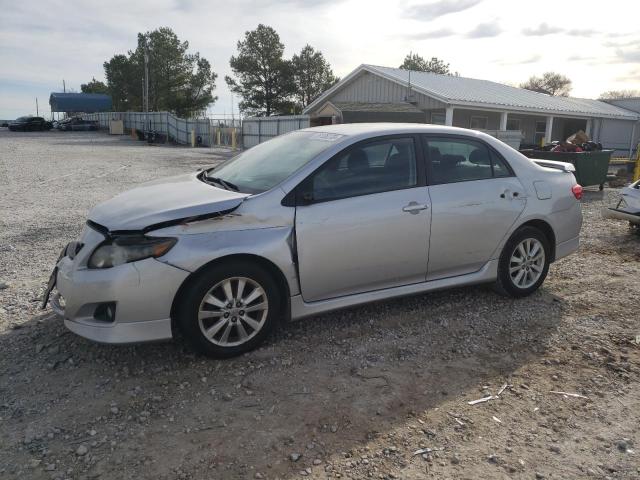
x,y
462,160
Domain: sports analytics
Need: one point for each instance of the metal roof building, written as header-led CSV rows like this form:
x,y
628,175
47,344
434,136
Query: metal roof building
x,y
631,103
79,102
472,103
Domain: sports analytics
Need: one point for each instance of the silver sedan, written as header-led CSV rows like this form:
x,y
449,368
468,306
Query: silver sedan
x,y
312,221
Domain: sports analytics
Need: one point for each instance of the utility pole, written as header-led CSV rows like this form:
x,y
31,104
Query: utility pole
x,y
37,111
146,88
232,119
64,86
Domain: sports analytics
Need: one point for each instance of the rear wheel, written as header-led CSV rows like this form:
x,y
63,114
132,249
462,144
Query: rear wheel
x,y
524,263
229,309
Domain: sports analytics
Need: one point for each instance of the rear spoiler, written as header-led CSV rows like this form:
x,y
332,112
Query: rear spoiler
x,y
564,166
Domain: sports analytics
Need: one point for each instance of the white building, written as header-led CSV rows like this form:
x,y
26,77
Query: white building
x,y
381,94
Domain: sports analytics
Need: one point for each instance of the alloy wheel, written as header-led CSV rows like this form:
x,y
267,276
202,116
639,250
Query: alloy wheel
x,y
233,311
527,263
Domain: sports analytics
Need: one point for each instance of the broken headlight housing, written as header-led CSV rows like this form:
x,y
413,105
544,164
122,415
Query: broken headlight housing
x,y
129,248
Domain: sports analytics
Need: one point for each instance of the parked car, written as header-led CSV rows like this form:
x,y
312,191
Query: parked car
x,y
628,206
312,221
29,123
77,124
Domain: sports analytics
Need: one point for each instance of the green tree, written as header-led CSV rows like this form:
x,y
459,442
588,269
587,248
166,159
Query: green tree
x,y
551,83
94,86
179,81
415,62
264,79
124,79
312,75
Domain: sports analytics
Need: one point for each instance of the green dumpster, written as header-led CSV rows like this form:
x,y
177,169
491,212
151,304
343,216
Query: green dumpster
x,y
591,167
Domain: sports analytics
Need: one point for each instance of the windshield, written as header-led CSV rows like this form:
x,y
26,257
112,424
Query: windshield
x,y
266,165
22,119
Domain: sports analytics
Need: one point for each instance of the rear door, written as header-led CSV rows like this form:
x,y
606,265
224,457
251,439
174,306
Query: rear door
x,y
475,198
362,220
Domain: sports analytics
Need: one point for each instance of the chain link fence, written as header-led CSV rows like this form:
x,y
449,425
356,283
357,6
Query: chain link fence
x,y
234,133
164,125
256,130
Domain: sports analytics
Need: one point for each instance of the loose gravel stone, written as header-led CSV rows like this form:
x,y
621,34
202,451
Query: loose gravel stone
x,y
367,387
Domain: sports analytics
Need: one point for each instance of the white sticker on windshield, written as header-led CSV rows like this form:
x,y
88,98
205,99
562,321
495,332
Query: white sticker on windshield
x,y
326,137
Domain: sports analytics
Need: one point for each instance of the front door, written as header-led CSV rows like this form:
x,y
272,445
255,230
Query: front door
x,y
475,198
362,220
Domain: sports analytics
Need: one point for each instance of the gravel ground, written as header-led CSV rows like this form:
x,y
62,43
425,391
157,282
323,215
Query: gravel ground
x,y
380,391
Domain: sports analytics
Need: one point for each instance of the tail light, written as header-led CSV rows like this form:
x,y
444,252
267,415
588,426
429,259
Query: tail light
x,y
577,191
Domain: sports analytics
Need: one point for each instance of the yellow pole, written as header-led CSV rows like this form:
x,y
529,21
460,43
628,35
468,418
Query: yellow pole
x,y
193,138
218,137
233,138
636,172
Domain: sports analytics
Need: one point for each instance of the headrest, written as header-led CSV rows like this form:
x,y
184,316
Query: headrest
x,y
434,154
480,156
357,161
448,162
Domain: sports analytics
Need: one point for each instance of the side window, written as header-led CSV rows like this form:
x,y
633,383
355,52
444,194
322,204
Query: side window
x,y
459,160
374,167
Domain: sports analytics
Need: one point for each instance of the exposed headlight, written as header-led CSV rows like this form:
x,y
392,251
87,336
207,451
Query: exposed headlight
x,y
129,248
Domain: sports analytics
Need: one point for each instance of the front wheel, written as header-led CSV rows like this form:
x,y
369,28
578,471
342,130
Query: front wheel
x,y
524,263
229,309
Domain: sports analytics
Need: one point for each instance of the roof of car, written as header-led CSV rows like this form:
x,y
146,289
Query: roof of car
x,y
353,129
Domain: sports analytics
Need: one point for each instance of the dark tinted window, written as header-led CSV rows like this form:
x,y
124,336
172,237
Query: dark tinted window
x,y
365,169
460,160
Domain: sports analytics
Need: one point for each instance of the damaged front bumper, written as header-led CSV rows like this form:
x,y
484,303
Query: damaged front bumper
x,y
619,214
628,206
128,303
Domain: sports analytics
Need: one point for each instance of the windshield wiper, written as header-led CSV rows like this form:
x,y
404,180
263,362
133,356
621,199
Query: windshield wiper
x,y
227,185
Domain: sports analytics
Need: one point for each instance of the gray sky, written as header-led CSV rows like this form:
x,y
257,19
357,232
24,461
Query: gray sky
x,y
596,44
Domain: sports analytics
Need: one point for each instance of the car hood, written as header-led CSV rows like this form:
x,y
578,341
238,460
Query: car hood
x,y
156,203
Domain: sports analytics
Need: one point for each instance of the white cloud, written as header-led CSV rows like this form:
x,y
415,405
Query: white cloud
x,y
433,10
485,30
541,30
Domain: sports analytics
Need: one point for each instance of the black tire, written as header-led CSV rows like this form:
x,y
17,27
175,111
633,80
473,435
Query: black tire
x,y
505,284
193,295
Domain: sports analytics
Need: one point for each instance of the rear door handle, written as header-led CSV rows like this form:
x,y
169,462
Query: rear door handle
x,y
414,207
508,193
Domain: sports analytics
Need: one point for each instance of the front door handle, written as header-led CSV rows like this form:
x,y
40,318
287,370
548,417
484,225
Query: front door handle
x,y
414,207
